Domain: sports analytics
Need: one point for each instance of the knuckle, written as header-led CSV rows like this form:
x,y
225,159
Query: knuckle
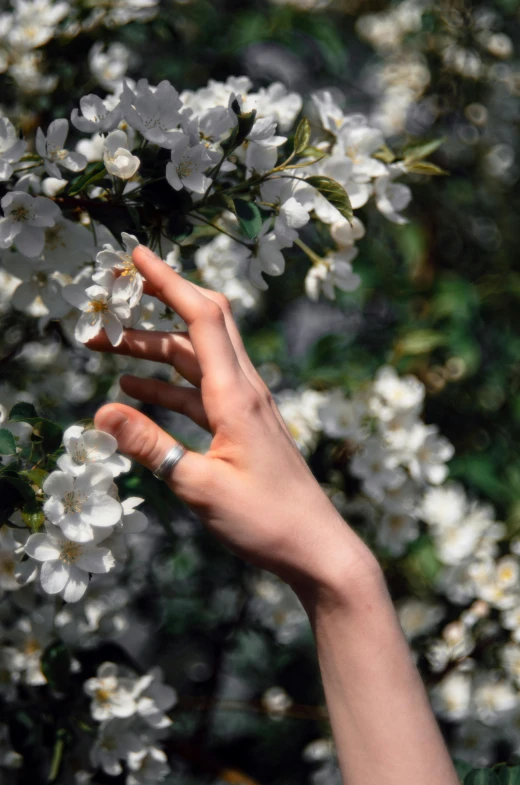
x,y
222,301
213,312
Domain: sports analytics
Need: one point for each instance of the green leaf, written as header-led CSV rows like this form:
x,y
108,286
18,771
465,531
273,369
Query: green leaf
x,y
56,666
385,154
463,768
419,342
420,151
33,517
481,777
249,217
426,168
509,775
302,136
35,476
7,442
48,433
22,412
334,193
93,173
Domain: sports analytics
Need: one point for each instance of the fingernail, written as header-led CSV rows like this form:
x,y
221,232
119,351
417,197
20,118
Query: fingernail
x,y
113,421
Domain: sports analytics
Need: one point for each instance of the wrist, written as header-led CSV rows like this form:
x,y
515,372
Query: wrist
x,y
343,572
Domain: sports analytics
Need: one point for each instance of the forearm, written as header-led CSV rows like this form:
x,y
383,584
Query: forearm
x,y
383,725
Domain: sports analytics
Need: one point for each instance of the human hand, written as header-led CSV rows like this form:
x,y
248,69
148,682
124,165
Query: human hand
x,y
252,489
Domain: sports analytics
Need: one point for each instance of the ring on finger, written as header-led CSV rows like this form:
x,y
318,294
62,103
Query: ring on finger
x,y
170,460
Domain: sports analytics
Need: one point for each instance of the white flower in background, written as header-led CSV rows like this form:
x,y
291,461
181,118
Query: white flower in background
x,y
118,159
153,699
109,66
129,284
418,617
395,531
66,563
10,556
294,200
427,453
379,470
147,767
93,148
344,418
359,143
97,115
494,701
115,741
277,101
91,446
67,246
451,698
391,197
188,164
100,311
28,639
24,222
300,410
345,233
331,115
80,504
51,147
510,656
223,265
153,111
112,695
445,506
11,148
332,271
276,700
266,258
133,521
262,145
394,395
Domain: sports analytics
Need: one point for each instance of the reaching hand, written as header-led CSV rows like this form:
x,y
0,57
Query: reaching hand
x,y
252,489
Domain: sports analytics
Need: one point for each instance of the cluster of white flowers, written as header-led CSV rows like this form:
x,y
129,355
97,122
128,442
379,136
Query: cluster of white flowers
x,y
52,255
131,710
82,510
29,25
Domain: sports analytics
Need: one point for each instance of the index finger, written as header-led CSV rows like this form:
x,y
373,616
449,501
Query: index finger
x,y
204,318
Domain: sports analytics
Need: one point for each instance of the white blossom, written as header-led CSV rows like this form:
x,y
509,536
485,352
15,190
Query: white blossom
x,y
11,148
24,222
188,164
100,310
118,159
51,147
79,504
66,564
153,111
85,447
97,115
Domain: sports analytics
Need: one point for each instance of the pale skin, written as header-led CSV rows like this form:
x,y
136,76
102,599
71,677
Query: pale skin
x,y
254,491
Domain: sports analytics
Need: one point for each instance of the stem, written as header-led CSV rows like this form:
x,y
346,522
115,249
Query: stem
x,y
219,229
315,259
57,755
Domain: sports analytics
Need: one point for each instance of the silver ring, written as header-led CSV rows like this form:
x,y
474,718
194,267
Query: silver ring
x,y
170,460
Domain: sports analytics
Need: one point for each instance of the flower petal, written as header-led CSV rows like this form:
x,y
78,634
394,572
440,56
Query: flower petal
x,y
42,548
58,484
98,560
102,511
76,586
53,576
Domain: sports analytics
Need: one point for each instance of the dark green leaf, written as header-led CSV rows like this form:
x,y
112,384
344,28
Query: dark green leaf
x,y
481,777
33,516
463,768
7,442
35,476
22,412
302,136
509,775
93,173
249,217
245,122
334,193
56,666
48,433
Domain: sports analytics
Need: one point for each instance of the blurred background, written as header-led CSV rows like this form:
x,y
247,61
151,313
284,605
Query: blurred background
x,y
439,298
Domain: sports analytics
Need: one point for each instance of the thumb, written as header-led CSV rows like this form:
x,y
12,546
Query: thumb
x,y
142,440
